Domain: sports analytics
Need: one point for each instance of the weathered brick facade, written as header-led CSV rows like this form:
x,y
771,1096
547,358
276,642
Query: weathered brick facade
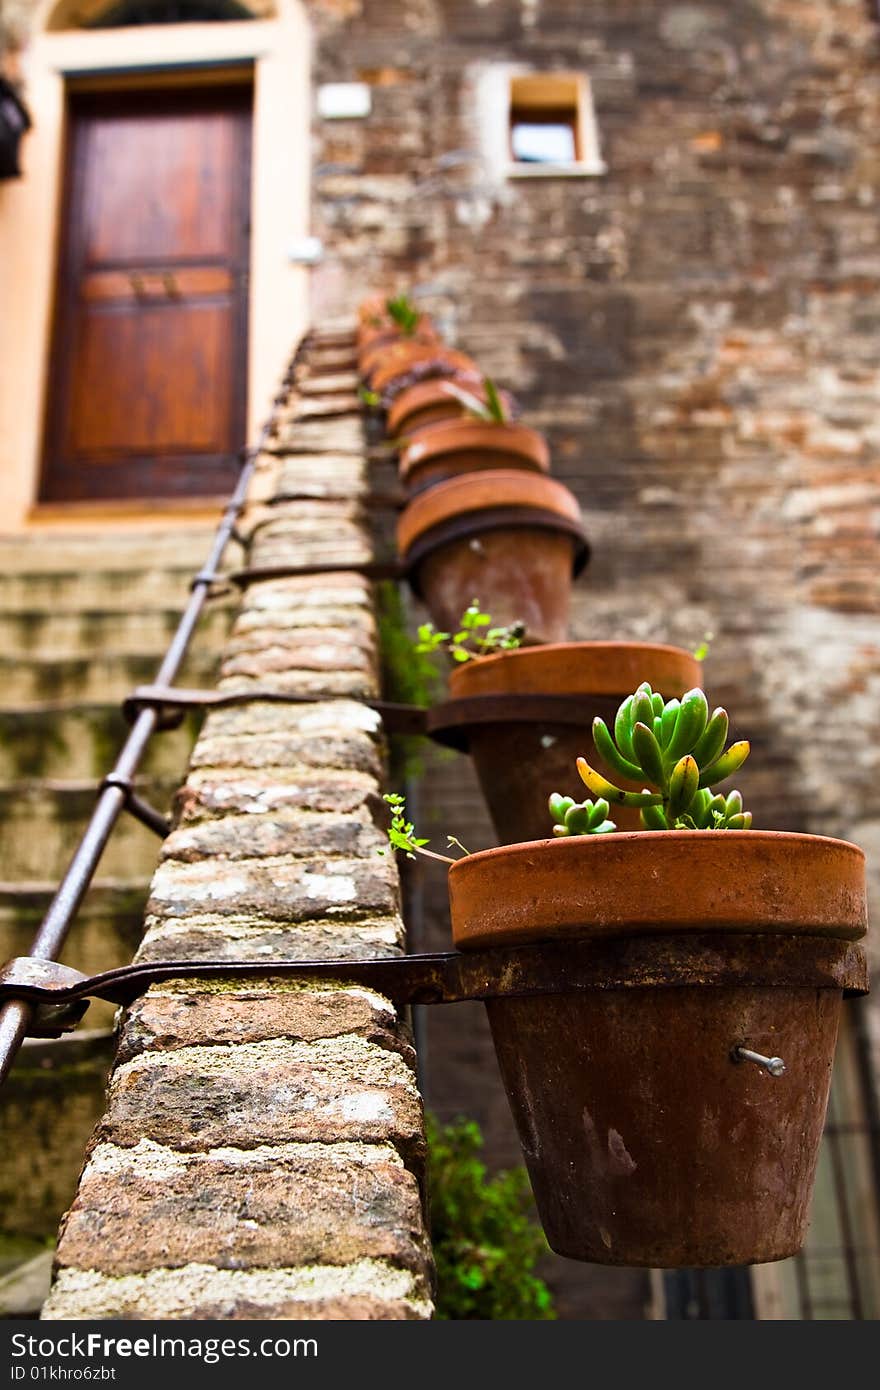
x,y
261,1152
697,333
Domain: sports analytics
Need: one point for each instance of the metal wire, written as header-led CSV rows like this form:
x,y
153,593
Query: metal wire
x,y
16,1015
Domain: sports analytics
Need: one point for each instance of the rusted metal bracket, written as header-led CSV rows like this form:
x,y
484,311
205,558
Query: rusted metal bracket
x,y
171,702
136,805
656,961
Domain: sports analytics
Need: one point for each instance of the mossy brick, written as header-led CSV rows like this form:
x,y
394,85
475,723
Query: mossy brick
x,y
201,936
328,406
358,637
356,684
319,719
352,751
342,436
365,1290
284,1205
293,615
326,383
283,890
261,837
342,476
349,548
218,790
200,1011
308,591
331,1090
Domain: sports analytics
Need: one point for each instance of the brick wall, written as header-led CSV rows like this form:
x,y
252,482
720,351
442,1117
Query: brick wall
x,y
261,1152
696,331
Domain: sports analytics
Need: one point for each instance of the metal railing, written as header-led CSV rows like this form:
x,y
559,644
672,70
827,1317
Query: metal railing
x,y
116,792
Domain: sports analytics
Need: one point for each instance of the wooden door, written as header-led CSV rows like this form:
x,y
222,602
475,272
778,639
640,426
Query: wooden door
x,y
147,382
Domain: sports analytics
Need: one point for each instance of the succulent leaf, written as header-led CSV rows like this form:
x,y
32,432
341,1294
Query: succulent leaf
x,y
725,766
623,729
558,805
710,744
600,786
649,755
608,752
683,787
667,721
690,722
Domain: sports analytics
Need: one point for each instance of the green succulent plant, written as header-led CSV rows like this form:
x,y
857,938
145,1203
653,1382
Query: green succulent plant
x,y
580,817
470,641
404,313
675,748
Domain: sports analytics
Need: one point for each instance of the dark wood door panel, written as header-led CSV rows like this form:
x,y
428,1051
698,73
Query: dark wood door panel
x,y
174,169
149,362
158,365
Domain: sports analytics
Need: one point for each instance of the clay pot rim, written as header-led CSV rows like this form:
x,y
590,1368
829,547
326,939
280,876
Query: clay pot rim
x,y
383,374
427,392
486,490
590,898
430,392
449,437
655,836
545,654
372,351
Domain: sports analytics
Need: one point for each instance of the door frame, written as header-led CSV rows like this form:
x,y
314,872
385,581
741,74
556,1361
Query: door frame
x,y
221,80
277,51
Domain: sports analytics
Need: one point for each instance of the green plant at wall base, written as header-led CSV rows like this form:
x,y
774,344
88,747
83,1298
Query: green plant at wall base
x,y
403,313
675,749
470,641
407,677
486,1243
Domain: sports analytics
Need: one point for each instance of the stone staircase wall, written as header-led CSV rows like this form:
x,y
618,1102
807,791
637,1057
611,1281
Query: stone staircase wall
x,y
85,614
261,1151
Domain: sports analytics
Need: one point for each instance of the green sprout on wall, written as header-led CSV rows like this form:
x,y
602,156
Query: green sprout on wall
x,y
402,834
404,314
470,641
675,749
491,411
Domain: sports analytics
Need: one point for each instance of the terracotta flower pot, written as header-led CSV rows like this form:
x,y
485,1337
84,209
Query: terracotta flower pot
x,y
512,540
429,402
525,716
647,1141
469,446
375,344
372,308
406,363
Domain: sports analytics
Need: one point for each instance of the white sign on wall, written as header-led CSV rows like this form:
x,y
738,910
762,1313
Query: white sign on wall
x,y
344,101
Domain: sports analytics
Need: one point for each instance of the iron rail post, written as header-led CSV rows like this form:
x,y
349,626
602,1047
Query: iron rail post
x,y
16,1015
